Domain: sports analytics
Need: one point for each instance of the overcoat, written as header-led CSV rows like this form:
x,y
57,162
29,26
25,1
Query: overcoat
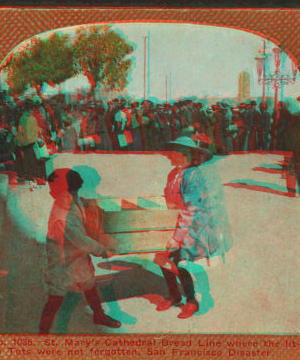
x,y
70,267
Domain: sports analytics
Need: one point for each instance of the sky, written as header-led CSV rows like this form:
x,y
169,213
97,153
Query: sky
x,y
194,60
202,60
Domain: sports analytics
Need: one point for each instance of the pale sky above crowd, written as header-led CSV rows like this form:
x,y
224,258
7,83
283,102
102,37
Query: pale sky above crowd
x,y
197,60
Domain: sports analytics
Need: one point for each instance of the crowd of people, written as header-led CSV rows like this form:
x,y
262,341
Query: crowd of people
x,y
52,125
33,128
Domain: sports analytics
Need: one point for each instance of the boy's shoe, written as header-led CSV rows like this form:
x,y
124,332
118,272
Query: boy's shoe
x,y
189,309
167,303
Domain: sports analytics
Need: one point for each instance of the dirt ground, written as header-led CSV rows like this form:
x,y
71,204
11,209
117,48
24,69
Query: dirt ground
x,y
256,290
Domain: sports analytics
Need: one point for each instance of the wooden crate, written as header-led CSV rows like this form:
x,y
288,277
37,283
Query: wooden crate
x,y
138,223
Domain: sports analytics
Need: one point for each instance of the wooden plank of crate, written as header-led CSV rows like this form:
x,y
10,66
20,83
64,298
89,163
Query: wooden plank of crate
x,y
135,220
131,242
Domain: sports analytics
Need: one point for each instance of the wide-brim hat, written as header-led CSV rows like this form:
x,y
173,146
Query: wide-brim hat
x,y
134,104
221,105
229,103
253,102
122,101
33,100
187,142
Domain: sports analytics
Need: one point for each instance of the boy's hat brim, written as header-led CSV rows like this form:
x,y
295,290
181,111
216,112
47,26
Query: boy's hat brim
x,y
185,141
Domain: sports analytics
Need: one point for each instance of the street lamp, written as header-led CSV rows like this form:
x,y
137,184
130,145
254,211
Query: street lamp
x,y
276,79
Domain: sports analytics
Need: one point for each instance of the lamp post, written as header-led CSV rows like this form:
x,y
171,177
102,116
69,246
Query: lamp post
x,y
166,88
276,79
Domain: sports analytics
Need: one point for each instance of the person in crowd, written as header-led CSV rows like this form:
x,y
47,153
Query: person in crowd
x,y
103,138
41,117
157,127
252,118
233,129
109,119
147,120
7,149
204,120
240,122
206,115
58,114
274,123
7,112
87,133
69,138
167,131
256,132
126,114
122,124
8,126
281,117
114,116
27,137
265,127
50,114
162,123
198,118
219,128
187,114
136,128
226,125
175,125
68,251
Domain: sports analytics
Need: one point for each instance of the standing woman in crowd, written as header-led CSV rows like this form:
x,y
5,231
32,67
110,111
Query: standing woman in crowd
x,y
265,127
87,128
136,128
101,130
109,119
27,136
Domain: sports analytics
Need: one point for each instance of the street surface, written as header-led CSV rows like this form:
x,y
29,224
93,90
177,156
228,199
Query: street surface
x,y
256,290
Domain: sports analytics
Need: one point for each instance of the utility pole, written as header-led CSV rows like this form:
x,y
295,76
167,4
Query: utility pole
x,y
166,87
264,74
145,49
170,92
148,92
